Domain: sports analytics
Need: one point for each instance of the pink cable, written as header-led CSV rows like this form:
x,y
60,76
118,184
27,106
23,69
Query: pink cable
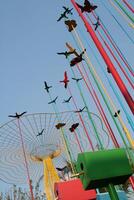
x,y
128,5
119,54
81,120
123,71
78,141
98,105
26,164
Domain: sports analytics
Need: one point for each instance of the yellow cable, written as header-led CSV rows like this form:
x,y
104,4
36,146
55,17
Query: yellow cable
x,y
128,135
132,25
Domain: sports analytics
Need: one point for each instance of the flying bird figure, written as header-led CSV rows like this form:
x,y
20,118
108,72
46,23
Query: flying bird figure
x,y
53,101
73,127
47,87
77,59
64,14
68,100
71,24
67,10
65,170
65,81
88,7
71,49
117,113
66,53
17,115
40,133
60,125
97,23
77,79
80,110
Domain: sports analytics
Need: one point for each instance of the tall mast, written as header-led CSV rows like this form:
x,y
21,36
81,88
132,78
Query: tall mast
x,y
107,60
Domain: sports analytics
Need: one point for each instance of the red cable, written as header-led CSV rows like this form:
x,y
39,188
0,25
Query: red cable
x,y
99,107
26,164
128,5
123,71
77,141
131,179
118,63
107,60
118,52
81,120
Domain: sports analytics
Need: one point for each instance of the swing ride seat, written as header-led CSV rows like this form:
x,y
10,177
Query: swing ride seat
x,y
73,189
103,167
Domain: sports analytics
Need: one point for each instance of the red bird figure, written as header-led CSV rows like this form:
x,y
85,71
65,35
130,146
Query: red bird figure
x,y
73,127
65,81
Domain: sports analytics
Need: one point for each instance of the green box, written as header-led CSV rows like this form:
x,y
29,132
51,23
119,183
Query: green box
x,y
103,167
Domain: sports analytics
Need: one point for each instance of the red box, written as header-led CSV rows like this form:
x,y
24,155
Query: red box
x,y
73,190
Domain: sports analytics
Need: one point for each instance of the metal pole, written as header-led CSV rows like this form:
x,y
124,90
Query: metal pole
x,y
112,192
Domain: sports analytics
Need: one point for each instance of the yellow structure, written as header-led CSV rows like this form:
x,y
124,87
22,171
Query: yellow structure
x,y
50,177
50,173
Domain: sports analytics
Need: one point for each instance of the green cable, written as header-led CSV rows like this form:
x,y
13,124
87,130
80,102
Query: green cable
x,y
128,151
118,128
110,83
109,109
62,133
131,123
89,115
77,128
122,8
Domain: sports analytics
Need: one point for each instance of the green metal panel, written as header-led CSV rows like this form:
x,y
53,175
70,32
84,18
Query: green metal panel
x,y
103,167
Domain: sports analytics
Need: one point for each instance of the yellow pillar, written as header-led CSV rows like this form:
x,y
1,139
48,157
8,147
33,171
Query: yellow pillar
x,y
50,177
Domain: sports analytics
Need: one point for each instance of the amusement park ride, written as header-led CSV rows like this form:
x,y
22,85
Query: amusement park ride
x,y
77,152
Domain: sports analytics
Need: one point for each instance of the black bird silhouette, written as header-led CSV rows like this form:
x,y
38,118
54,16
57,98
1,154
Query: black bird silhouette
x,y
66,53
77,79
64,14
97,23
81,110
71,24
73,127
68,100
117,113
47,87
40,133
67,168
17,115
77,59
67,10
88,7
63,169
53,101
60,125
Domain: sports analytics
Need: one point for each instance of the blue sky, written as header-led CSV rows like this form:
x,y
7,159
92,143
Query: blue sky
x,y
30,37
